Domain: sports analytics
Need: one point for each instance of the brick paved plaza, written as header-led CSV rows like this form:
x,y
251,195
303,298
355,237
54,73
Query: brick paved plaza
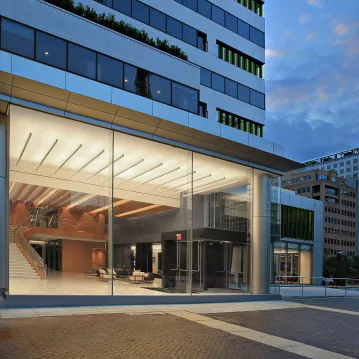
x,y
242,330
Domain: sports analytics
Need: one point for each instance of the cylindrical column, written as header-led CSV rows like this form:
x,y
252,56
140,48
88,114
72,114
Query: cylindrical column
x,y
261,203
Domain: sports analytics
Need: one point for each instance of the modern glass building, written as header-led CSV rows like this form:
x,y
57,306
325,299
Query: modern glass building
x,y
132,167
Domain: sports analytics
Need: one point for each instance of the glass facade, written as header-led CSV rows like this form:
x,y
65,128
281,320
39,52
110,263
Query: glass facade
x,y
107,213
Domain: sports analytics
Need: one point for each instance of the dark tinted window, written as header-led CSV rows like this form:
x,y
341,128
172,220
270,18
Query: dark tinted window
x,y
123,6
257,37
174,27
179,1
140,11
82,61
190,35
107,2
109,71
243,29
203,109
201,41
192,4
158,20
257,99
217,82
206,78
231,22
136,80
204,8
231,88
184,97
51,50
217,15
160,89
243,93
17,38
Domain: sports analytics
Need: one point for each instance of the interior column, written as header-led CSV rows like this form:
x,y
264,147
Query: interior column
x,y
261,212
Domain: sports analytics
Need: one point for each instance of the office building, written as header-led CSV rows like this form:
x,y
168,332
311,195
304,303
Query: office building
x,y
340,206
134,161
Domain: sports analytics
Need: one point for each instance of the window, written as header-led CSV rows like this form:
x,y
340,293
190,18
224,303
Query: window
x,y
243,29
190,35
203,110
82,61
204,8
123,6
230,22
158,19
184,97
17,38
201,41
348,162
355,160
257,36
140,11
231,88
322,177
174,27
217,82
51,50
258,99
341,164
335,165
243,93
136,80
190,4
109,71
217,15
206,77
159,89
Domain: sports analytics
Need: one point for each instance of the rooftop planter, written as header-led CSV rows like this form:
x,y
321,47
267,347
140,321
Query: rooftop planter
x,y
109,21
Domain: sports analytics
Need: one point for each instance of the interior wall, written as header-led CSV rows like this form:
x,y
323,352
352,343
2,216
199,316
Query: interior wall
x,y
19,212
98,258
77,255
306,266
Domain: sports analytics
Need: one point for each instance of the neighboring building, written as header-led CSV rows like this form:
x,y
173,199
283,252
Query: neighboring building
x,y
122,153
340,206
298,251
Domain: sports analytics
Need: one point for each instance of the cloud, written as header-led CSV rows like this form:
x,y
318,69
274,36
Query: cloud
x,y
342,29
304,18
273,53
317,3
311,36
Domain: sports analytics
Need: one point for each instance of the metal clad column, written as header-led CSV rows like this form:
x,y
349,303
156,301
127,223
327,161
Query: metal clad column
x,y
261,205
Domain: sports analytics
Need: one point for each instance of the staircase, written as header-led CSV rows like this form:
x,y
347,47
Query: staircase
x,y
20,268
12,234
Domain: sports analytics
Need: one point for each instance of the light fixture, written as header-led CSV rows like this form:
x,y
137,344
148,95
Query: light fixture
x,y
202,185
68,158
126,169
158,91
183,184
173,180
12,187
126,80
211,189
154,178
82,200
87,163
23,149
44,198
139,210
116,204
47,153
106,167
46,53
142,173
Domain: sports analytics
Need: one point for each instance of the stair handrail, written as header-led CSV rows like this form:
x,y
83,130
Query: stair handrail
x,y
29,252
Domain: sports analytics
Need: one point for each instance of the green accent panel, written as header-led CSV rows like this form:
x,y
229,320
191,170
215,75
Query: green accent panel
x,y
235,60
241,126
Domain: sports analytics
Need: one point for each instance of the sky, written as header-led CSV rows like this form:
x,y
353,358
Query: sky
x,y
312,76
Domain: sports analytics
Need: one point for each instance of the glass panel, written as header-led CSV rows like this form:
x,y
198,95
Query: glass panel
x,y
51,50
257,36
243,29
217,82
206,77
258,99
140,11
160,89
123,6
17,38
158,19
184,97
174,27
231,88
243,93
190,35
60,204
204,8
109,71
136,80
230,22
82,61
192,4
217,15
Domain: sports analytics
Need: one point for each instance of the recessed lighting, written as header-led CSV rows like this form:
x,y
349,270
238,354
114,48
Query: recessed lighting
x,y
158,91
46,53
125,80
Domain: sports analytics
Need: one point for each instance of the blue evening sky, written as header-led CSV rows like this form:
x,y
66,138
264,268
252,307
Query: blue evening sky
x,y
312,75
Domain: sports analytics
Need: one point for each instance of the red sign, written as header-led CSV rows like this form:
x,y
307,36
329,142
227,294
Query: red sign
x,y
179,237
